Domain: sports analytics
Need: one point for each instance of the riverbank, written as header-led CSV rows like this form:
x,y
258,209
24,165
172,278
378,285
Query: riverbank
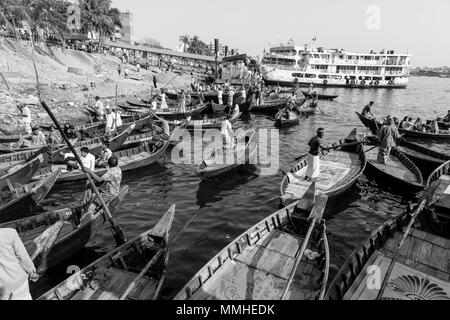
x,y
68,80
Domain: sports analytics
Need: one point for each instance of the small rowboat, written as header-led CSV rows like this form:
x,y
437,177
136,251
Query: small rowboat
x,y
425,158
94,145
12,138
172,114
139,122
270,107
77,227
320,96
438,214
372,124
210,123
12,159
219,108
221,163
257,265
20,173
109,277
420,273
399,170
20,201
282,122
310,109
444,125
339,171
441,136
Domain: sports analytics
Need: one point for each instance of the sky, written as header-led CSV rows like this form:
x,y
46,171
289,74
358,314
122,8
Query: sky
x,y
418,27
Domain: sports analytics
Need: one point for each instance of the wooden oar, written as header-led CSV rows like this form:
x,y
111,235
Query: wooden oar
x,y
118,233
155,259
397,252
315,216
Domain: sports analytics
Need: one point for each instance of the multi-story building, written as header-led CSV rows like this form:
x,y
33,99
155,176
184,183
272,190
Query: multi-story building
x,y
127,30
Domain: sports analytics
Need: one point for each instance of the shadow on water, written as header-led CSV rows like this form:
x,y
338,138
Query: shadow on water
x,y
210,192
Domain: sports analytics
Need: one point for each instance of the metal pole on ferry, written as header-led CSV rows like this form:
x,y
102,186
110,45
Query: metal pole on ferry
x,y
216,45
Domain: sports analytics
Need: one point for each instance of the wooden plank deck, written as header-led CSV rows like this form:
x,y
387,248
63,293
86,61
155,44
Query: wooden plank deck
x,y
115,285
393,167
334,169
261,272
421,272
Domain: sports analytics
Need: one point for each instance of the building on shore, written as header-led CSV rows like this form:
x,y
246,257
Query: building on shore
x,y
287,64
126,33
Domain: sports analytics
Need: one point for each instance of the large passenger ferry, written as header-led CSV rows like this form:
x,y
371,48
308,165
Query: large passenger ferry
x,y
287,64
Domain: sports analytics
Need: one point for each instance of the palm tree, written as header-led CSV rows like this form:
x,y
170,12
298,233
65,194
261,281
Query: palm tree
x,y
12,14
198,47
97,15
186,40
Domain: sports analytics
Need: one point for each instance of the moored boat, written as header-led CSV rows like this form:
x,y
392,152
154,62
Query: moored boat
x,y
230,159
275,259
437,212
372,124
211,123
21,173
77,228
425,158
399,170
320,96
20,201
443,135
420,271
269,106
340,169
294,118
133,271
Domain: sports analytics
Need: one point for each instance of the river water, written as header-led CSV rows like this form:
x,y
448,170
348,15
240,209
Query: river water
x,y
224,209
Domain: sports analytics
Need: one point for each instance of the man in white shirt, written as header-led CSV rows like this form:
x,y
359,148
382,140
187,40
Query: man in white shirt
x,y
87,159
117,117
16,267
220,95
227,132
230,97
100,107
25,113
110,121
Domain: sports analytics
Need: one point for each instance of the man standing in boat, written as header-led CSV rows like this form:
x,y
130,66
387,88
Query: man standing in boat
x,y
316,147
228,135
16,267
183,102
367,111
388,136
25,114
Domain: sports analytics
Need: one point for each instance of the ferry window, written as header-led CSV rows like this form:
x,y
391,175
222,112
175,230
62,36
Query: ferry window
x,y
316,56
308,75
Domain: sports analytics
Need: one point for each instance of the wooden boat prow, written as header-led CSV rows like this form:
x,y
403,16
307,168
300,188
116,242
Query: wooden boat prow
x,y
109,277
258,263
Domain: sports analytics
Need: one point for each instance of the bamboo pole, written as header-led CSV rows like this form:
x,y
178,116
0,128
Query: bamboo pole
x,y
397,252
118,233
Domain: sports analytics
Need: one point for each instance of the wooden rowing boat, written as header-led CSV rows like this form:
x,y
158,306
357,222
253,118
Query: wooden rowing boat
x,y
220,108
340,169
443,135
320,96
20,201
372,124
399,171
129,159
421,271
425,158
231,159
172,114
95,145
211,123
21,173
270,106
444,125
109,277
310,109
258,263
12,138
438,214
12,159
78,227
139,123
282,122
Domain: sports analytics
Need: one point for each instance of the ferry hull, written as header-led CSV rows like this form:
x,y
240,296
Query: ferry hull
x,y
333,85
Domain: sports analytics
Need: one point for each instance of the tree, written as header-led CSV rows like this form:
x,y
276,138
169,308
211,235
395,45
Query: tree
x,y
97,15
197,46
186,40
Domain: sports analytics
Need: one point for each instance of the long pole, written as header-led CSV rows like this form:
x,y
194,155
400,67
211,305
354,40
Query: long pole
x,y
118,233
397,252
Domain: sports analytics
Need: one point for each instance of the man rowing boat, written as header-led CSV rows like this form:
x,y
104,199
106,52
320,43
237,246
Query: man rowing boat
x,y
316,147
367,112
